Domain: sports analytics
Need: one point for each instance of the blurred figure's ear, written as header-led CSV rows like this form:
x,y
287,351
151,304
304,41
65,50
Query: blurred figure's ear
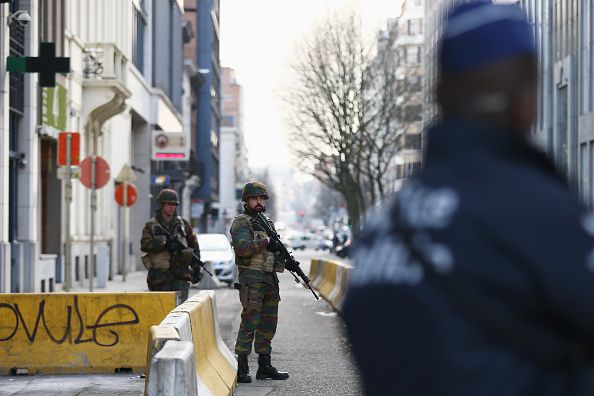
x,y
523,109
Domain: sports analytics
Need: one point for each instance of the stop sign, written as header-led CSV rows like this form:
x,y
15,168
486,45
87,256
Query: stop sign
x,y
132,194
101,172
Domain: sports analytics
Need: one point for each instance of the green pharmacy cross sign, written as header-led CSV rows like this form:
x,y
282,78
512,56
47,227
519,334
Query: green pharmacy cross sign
x,y
46,64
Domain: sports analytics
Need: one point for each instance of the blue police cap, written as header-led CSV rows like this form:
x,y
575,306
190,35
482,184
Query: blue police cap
x,y
480,33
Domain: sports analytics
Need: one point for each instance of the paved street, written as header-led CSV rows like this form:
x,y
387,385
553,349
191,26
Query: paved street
x,y
309,343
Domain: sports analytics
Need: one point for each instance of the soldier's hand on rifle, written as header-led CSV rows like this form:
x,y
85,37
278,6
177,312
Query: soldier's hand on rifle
x,y
196,275
170,244
273,245
292,266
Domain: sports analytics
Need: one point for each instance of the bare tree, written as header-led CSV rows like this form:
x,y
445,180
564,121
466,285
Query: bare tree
x,y
344,112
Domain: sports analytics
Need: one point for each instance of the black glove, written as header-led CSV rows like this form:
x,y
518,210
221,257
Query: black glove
x,y
291,265
170,244
196,275
273,246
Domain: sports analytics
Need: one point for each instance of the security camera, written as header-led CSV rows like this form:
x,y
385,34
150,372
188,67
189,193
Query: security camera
x,y
21,17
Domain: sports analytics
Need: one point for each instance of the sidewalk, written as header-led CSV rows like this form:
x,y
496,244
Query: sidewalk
x,y
135,282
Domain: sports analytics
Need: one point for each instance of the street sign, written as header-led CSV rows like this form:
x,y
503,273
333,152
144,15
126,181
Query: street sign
x,y
170,146
160,180
131,196
126,175
64,173
63,148
47,64
102,172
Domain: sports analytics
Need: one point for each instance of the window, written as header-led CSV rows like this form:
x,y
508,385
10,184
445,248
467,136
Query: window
x,y
413,55
414,83
138,30
412,141
413,112
228,120
413,27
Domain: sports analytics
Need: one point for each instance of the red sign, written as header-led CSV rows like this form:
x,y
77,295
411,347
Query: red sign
x,y
131,197
170,155
74,148
101,172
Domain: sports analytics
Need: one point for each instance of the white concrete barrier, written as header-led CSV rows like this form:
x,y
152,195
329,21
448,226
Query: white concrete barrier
x,y
195,322
173,371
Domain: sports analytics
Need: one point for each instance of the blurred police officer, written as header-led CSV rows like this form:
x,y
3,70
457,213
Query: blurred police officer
x,y
259,292
172,251
477,279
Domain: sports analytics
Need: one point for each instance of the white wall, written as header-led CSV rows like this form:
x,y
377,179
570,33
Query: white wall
x,y
4,85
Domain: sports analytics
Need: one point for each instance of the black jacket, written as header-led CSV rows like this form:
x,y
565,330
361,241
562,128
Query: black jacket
x,y
478,278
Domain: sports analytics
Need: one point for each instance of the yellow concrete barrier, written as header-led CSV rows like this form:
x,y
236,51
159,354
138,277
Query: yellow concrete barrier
x,y
317,277
61,333
214,366
313,270
331,280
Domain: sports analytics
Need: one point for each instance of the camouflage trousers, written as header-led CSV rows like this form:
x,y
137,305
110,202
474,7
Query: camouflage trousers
x,y
162,280
258,318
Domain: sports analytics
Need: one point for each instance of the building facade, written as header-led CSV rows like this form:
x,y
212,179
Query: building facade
x,y
233,153
565,122
209,114
404,40
118,92
410,43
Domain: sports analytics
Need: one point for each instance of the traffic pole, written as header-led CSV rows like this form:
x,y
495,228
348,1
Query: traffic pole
x,y
125,234
67,241
93,209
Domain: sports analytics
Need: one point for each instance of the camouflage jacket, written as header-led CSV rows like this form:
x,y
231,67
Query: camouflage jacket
x,y
256,264
154,239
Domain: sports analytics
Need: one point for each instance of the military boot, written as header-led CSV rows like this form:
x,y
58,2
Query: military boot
x,y
266,371
243,370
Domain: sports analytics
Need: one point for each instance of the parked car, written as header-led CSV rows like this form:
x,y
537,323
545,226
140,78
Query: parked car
x,y
216,250
307,241
325,244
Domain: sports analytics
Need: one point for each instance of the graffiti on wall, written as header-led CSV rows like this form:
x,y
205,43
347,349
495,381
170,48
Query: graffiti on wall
x,y
100,329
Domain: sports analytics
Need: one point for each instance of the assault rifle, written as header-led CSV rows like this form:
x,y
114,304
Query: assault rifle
x,y
177,246
284,254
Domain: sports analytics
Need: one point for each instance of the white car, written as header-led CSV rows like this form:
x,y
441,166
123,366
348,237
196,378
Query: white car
x,y
306,241
216,250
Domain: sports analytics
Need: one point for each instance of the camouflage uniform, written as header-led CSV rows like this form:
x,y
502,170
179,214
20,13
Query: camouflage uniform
x,y
162,275
259,292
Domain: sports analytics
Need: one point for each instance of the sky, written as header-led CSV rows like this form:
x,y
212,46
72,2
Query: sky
x,y
257,41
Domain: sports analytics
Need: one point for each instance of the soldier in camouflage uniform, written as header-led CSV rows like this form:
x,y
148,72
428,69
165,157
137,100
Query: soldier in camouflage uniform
x,y
169,241
259,292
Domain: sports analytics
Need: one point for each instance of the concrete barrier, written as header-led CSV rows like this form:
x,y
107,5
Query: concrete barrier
x,y
336,296
158,336
215,366
317,275
330,278
172,370
61,333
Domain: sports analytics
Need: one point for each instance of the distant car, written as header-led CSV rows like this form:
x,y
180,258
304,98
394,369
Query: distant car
x,y
325,244
307,241
216,249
